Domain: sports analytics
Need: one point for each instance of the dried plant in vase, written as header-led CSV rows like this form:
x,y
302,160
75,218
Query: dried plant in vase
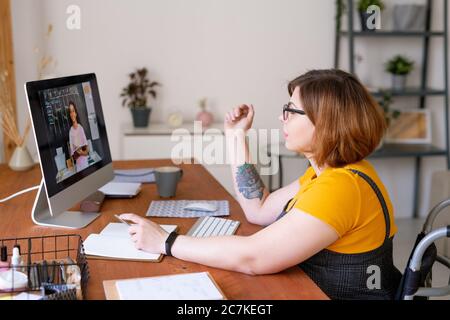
x,y
21,159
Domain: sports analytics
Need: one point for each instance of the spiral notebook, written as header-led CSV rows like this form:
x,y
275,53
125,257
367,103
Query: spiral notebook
x,y
114,243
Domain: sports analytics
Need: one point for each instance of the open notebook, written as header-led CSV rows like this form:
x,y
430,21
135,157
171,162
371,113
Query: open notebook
x,y
188,286
114,242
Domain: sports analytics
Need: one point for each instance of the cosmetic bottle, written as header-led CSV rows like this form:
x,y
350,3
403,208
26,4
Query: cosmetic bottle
x,y
16,260
4,265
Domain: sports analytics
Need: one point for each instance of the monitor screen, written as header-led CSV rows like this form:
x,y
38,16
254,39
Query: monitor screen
x,y
70,129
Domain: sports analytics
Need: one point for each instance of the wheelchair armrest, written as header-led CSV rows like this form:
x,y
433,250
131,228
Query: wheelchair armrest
x,y
430,238
428,225
433,292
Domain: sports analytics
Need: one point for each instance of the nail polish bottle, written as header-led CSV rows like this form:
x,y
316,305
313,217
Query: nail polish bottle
x,y
4,265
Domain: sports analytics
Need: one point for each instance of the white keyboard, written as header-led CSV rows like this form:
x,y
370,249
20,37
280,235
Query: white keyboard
x,y
212,227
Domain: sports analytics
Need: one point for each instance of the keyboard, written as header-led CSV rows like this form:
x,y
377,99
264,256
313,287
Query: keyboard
x,y
212,227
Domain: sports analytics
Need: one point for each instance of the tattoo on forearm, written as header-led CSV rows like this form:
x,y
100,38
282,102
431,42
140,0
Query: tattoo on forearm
x,y
249,182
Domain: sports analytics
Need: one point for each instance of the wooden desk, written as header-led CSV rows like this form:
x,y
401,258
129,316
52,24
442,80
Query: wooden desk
x,y
196,184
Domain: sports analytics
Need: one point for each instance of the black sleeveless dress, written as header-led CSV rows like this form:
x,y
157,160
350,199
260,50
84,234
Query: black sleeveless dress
x,y
345,276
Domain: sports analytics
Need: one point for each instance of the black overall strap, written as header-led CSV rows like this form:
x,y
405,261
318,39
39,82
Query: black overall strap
x,y
288,203
380,197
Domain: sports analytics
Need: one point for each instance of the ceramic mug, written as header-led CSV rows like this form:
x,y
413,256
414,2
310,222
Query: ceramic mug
x,y
167,179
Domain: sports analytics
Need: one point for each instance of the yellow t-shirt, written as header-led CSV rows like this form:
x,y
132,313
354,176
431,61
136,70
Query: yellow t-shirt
x,y
346,202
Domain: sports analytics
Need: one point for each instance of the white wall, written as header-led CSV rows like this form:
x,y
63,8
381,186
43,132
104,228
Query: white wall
x,y
231,51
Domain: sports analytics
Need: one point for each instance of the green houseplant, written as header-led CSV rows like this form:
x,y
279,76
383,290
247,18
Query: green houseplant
x,y
389,113
363,5
340,9
385,103
399,66
136,95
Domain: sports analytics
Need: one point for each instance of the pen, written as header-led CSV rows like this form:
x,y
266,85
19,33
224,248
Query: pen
x,y
38,274
121,220
29,264
44,275
63,273
52,272
33,276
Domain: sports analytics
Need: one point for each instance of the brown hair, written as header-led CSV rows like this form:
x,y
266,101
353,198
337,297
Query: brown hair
x,y
349,123
71,103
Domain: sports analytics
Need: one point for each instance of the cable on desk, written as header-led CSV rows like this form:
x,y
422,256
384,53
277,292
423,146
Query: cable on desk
x,y
19,193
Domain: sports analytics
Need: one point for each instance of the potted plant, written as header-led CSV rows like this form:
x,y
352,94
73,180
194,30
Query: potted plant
x,y
135,96
399,66
340,9
363,5
385,104
389,114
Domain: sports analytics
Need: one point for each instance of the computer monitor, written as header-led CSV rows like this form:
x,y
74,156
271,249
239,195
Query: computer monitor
x,y
73,147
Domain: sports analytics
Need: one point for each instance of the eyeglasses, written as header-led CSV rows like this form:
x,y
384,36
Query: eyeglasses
x,y
287,109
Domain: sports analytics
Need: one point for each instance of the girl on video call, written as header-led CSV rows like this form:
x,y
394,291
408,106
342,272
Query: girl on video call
x,y
79,148
335,221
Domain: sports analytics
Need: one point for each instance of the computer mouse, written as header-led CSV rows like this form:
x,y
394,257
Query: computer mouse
x,y
201,206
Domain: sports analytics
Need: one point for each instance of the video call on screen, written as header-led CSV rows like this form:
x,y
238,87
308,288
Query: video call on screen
x,y
72,129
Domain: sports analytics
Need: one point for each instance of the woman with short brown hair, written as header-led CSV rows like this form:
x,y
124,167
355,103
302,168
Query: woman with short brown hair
x,y
337,223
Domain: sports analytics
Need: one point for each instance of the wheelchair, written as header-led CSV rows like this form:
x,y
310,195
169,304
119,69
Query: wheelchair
x,y
416,280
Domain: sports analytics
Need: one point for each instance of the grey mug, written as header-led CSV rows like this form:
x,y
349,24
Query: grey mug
x,y
167,179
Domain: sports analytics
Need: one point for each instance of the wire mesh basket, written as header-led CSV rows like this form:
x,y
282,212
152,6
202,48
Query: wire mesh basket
x,y
49,268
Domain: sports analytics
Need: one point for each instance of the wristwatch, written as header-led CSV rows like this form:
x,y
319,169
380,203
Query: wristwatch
x,y
169,243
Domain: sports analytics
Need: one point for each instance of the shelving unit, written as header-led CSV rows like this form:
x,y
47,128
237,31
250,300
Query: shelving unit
x,y
421,92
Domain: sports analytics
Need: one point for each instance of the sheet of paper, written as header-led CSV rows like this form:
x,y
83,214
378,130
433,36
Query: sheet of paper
x,y
190,286
27,296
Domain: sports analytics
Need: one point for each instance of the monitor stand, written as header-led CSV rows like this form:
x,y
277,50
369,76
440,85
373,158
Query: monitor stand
x,y
42,216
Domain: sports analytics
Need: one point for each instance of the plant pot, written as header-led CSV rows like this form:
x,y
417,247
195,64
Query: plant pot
x,y
409,17
141,117
398,82
364,16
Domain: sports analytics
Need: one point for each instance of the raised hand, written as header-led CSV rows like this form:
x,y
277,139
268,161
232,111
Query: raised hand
x,y
240,118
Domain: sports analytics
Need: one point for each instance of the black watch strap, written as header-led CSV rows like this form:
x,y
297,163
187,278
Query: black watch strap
x,y
169,242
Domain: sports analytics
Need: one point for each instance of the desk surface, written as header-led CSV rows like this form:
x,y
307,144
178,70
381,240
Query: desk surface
x,y
196,184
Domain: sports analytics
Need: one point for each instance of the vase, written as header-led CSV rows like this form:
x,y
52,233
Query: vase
x,y
409,17
364,16
21,159
141,117
206,118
